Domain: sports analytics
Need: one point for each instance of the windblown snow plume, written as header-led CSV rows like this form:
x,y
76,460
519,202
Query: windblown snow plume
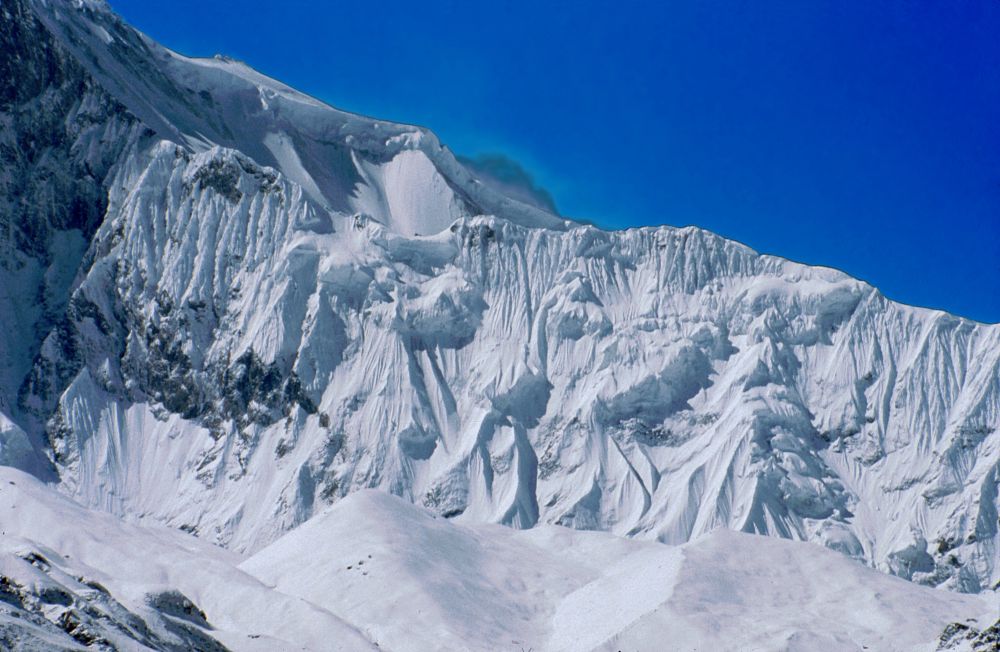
x,y
226,306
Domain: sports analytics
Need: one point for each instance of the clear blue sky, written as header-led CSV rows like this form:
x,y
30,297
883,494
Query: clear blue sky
x,y
860,135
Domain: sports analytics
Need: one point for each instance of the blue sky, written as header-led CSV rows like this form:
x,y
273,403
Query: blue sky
x,y
860,135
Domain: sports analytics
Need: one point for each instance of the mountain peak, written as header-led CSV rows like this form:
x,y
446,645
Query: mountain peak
x,y
229,305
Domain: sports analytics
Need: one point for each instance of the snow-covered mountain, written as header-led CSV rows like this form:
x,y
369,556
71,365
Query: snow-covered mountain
x,y
226,305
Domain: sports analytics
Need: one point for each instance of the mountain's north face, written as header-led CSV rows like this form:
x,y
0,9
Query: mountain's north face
x,y
225,305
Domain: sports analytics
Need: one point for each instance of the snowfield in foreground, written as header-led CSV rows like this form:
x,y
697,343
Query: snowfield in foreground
x,y
376,572
72,575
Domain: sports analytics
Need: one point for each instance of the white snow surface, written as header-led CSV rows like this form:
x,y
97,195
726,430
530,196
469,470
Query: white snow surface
x,y
376,572
399,175
15,447
81,547
286,304
416,581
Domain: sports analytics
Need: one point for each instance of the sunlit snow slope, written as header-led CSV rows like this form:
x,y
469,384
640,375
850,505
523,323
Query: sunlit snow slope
x,y
226,305
416,582
75,579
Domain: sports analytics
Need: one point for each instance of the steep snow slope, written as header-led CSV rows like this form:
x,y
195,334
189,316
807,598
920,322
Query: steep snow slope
x,y
397,174
418,582
256,330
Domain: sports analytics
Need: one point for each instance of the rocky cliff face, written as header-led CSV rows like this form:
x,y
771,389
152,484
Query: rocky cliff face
x,y
240,305
60,135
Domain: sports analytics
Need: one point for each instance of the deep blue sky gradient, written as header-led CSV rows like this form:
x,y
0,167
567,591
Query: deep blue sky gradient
x,y
859,135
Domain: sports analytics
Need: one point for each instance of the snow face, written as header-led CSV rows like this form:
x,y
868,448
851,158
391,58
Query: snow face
x,y
282,304
398,174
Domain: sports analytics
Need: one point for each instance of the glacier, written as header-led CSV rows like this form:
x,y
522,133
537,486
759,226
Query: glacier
x,y
227,306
